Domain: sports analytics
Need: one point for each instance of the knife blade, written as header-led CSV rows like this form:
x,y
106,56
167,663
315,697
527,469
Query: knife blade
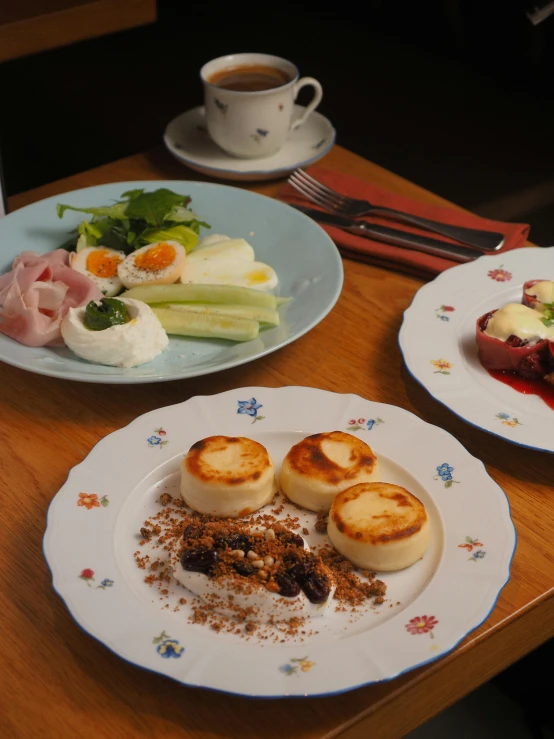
x,y
426,244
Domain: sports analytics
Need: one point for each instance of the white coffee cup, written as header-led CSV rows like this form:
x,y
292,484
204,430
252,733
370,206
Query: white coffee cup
x,y
253,123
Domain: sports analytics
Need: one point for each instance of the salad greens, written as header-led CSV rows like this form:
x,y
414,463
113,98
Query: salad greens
x,y
548,318
110,312
139,218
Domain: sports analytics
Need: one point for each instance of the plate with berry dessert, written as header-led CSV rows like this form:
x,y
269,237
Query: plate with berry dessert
x,y
278,542
480,339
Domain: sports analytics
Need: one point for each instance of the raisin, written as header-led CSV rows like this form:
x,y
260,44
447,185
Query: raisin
x,y
199,560
316,588
300,571
244,568
234,541
288,587
288,537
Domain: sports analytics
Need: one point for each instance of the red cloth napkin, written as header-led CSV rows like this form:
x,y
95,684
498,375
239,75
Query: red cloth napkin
x,y
395,257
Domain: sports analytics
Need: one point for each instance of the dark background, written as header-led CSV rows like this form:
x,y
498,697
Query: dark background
x,y
456,95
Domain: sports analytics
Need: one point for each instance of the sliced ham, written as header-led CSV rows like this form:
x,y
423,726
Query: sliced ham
x,y
37,293
32,258
528,360
531,300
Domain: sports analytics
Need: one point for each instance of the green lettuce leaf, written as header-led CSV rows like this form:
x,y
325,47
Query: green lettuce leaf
x,y
185,236
154,207
116,211
132,194
179,214
139,218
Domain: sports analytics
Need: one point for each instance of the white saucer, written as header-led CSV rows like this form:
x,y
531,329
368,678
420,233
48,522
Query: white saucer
x,y
187,139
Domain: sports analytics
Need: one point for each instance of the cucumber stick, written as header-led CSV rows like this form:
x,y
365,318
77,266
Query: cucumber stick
x,y
259,313
189,293
204,325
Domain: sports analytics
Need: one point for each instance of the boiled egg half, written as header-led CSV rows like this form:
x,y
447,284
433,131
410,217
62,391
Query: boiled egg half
x,y
223,249
100,264
220,260
242,273
154,264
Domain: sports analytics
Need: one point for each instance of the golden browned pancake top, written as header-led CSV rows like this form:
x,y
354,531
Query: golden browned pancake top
x,y
308,458
388,513
227,460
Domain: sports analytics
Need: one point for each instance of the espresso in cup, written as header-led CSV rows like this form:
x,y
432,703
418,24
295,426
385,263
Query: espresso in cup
x,y
250,77
249,103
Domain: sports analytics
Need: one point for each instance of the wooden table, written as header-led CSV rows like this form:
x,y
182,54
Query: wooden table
x,y
30,26
55,681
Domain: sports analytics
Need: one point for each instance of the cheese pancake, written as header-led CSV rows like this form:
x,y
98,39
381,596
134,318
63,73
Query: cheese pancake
x,y
379,526
320,466
227,476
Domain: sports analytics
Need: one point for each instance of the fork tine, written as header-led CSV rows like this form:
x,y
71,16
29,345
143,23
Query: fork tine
x,y
317,196
314,196
320,186
309,194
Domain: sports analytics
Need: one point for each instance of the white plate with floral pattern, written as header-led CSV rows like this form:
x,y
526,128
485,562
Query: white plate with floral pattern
x,y
187,138
94,522
437,339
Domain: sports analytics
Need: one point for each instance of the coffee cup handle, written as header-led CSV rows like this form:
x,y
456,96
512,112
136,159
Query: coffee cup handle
x,y
318,94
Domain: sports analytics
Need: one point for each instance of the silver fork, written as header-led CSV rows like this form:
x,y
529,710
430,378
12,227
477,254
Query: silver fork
x,y
335,202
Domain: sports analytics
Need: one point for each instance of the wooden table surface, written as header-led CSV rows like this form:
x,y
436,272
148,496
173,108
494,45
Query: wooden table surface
x,y
55,681
30,26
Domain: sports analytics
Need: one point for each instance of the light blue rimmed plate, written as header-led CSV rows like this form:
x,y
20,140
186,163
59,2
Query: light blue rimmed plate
x,y
306,260
94,523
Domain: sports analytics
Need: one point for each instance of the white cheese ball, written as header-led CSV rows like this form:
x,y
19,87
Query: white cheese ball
x,y
125,345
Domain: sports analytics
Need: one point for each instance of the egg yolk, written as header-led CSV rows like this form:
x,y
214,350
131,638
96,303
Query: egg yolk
x,y
256,277
103,263
156,258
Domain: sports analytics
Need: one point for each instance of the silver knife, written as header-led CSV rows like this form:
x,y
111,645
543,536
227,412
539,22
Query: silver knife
x,y
426,244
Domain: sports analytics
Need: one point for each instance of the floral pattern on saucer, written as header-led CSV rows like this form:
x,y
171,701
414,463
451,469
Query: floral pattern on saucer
x,y
304,146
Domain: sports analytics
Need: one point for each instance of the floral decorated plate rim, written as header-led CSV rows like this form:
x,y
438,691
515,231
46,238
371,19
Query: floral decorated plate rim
x,y
429,608
437,340
313,140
